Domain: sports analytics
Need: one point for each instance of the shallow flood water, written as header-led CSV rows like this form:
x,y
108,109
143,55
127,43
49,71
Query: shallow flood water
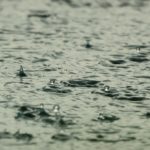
x,y
75,74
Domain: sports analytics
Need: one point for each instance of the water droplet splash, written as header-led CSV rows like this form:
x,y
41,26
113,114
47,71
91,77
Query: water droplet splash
x,y
106,88
52,81
21,72
56,110
42,106
88,45
101,116
138,50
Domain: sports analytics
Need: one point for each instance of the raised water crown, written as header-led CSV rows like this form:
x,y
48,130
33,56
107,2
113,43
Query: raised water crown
x,y
88,45
58,117
101,116
21,72
106,88
52,81
56,109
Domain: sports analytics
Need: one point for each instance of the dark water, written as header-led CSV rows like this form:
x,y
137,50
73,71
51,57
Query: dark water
x,y
85,81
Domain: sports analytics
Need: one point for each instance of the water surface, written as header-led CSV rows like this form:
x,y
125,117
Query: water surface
x,y
90,58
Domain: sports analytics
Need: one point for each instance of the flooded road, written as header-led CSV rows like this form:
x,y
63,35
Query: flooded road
x,y
75,74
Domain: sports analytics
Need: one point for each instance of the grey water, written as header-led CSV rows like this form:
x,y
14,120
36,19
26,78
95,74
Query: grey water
x,y
74,74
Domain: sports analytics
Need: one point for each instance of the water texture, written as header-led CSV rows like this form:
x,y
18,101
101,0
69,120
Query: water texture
x,y
75,74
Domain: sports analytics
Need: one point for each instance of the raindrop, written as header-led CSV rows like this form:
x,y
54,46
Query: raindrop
x,y
101,116
56,110
21,72
88,45
106,88
138,50
42,106
52,81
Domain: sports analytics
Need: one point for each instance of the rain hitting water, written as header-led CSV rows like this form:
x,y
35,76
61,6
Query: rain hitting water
x,y
75,74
